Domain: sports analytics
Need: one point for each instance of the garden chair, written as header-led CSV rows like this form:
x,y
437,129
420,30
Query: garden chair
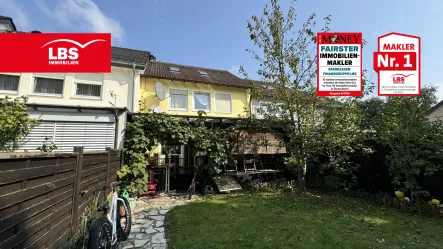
x,y
232,167
249,165
152,184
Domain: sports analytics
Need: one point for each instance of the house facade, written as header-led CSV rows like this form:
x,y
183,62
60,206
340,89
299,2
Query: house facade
x,y
79,109
187,90
436,112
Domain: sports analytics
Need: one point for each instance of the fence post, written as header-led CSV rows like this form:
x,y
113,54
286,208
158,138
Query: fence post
x,y
77,186
108,167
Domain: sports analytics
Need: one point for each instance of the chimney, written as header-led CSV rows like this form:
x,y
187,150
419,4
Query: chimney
x,y
152,58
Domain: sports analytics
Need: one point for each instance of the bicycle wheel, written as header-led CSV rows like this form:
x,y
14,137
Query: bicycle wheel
x,y
100,234
123,219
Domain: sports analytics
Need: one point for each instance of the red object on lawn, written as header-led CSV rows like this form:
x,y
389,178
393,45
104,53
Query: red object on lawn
x,y
152,185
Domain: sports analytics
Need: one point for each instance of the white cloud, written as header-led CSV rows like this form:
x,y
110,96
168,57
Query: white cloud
x,y
84,15
10,8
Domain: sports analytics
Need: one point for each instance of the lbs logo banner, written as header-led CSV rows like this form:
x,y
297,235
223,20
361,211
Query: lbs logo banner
x,y
55,52
397,63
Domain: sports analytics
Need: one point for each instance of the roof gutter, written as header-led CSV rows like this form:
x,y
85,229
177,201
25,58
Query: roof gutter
x,y
127,65
79,107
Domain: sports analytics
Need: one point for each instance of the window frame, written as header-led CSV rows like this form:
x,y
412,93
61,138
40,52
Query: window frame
x,y
215,102
86,82
32,88
201,92
18,85
169,99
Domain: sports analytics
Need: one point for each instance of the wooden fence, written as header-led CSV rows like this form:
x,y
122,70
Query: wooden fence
x,y
42,195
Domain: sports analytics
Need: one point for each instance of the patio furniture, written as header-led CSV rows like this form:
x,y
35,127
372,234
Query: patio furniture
x,y
231,167
152,184
249,165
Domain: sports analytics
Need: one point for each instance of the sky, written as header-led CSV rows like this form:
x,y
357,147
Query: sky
x,y
214,34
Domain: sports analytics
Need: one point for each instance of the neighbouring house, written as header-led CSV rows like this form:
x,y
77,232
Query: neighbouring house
x,y
79,109
436,112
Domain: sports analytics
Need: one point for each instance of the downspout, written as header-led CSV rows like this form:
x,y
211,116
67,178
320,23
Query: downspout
x,y
116,129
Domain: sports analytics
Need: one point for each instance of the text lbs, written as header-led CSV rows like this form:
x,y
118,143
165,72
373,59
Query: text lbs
x,y
63,54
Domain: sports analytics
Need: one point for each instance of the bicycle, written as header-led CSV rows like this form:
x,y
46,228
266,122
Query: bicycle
x,y
109,229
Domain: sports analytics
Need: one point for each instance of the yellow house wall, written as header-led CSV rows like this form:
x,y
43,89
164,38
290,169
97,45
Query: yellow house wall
x,y
240,97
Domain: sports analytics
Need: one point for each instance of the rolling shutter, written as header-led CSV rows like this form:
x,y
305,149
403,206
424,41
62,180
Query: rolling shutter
x,y
223,103
93,136
66,135
37,136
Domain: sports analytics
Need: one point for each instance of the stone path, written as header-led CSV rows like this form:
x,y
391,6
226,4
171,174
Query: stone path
x,y
148,218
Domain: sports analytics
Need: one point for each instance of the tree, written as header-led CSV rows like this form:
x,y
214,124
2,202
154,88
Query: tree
x,y
15,123
416,142
307,124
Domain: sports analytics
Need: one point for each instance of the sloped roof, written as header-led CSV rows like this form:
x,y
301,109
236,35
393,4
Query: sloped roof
x,y
125,55
435,107
162,70
4,18
128,55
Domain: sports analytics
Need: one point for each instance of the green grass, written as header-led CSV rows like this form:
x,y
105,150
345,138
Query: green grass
x,y
287,220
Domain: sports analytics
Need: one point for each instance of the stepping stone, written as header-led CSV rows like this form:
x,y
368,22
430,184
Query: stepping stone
x,y
158,238
158,246
150,230
153,212
139,236
164,211
158,223
140,243
160,229
135,228
148,224
157,217
129,246
141,221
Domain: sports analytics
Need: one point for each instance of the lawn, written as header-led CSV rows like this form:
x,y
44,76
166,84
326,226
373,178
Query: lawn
x,y
287,220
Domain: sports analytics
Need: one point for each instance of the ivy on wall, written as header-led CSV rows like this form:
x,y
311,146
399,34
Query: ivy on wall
x,y
153,128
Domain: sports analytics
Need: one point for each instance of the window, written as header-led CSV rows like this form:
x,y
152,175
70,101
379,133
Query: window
x,y
88,90
202,101
174,69
223,103
203,72
264,107
178,99
173,149
48,86
9,83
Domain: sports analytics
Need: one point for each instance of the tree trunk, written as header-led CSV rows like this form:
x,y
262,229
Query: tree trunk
x,y
192,187
301,177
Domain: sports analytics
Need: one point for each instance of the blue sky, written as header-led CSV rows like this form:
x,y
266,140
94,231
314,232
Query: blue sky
x,y
213,33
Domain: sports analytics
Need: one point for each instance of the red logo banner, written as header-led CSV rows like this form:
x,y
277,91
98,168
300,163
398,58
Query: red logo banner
x,y
397,63
55,52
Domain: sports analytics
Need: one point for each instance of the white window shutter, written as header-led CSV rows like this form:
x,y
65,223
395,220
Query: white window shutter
x,y
223,103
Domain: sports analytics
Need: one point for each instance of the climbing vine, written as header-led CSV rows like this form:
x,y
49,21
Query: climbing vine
x,y
153,128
